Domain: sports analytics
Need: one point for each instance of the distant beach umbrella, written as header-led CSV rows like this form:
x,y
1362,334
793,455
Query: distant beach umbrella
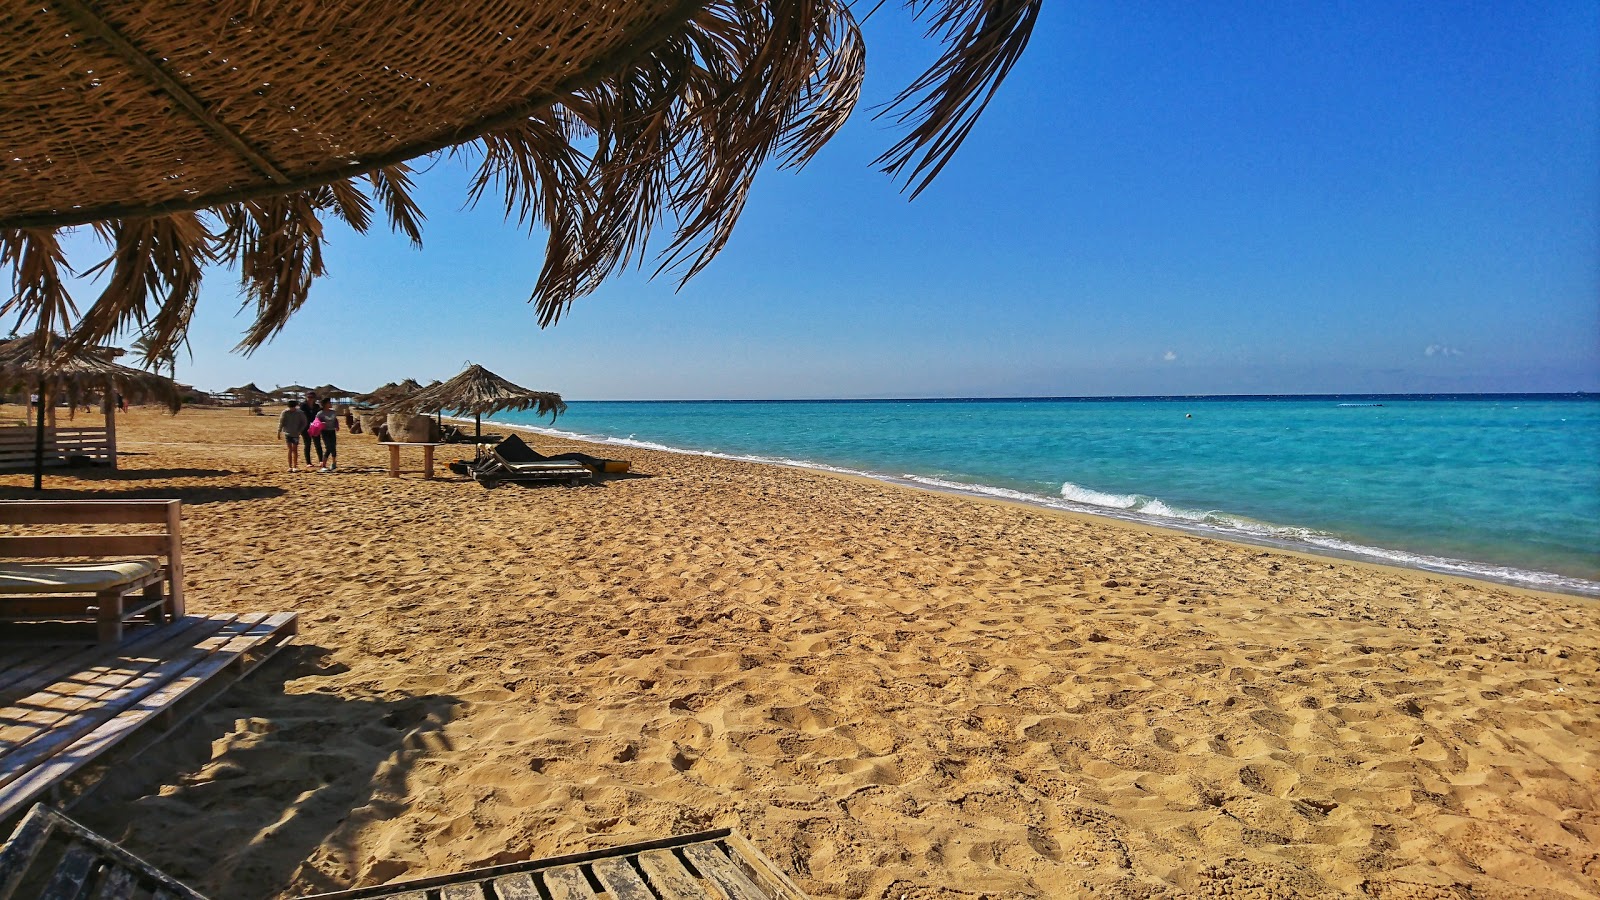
x,y
480,392
56,369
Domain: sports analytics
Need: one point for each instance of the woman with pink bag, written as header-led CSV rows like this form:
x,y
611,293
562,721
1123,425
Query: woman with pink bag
x,y
326,426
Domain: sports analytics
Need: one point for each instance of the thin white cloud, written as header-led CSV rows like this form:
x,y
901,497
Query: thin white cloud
x,y
1441,350
1169,356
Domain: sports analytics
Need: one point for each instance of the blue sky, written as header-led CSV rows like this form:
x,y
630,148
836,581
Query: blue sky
x,y
1164,198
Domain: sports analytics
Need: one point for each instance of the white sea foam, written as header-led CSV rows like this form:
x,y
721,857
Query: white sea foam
x,y
1151,511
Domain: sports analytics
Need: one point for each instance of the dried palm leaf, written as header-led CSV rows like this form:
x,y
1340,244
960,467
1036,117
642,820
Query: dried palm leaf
x,y
647,116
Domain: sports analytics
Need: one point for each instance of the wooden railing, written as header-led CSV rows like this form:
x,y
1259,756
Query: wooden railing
x,y
17,446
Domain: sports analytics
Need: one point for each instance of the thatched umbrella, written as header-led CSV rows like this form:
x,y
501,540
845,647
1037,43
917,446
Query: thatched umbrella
x,y
329,391
193,132
59,370
479,391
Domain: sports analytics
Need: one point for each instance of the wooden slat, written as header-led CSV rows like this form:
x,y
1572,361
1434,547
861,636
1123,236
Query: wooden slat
x,y
31,607
70,545
470,891
17,854
717,868
620,880
517,887
21,661
96,683
568,883
70,874
759,869
84,512
671,880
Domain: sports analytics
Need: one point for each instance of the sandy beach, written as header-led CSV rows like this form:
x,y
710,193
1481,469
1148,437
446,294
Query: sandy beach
x,y
893,693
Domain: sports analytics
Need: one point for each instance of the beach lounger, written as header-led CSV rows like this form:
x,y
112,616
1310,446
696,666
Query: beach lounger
x,y
517,450
51,856
492,469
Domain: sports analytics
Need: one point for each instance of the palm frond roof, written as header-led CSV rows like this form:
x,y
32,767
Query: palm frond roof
x,y
74,373
478,391
190,133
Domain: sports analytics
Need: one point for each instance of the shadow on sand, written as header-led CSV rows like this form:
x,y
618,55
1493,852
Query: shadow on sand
x,y
236,800
189,495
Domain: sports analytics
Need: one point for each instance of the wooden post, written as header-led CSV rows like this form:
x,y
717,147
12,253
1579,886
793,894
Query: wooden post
x,y
111,420
38,444
175,556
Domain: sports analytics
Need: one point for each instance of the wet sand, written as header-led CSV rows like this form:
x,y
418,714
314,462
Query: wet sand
x,y
893,693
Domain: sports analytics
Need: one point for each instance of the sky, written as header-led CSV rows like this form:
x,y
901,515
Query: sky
x,y
1164,198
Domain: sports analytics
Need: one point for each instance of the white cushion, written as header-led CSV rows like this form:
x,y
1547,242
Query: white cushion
x,y
61,578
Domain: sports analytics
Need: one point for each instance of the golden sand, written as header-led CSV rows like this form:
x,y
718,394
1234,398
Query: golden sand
x,y
893,693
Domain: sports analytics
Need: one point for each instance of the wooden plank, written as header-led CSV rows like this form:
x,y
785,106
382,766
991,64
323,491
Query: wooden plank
x,y
70,874
31,607
70,545
715,866
151,643
568,883
84,512
620,880
22,660
175,557
671,880
147,691
94,683
17,853
517,887
472,890
86,750
761,870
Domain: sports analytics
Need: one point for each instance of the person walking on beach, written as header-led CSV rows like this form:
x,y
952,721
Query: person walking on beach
x,y
328,448
292,426
309,407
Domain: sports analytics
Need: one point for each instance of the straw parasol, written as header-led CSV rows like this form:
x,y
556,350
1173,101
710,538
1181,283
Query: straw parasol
x,y
193,132
61,370
249,394
480,392
329,391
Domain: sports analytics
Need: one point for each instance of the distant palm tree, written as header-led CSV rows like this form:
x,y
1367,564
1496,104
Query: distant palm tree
x,y
154,357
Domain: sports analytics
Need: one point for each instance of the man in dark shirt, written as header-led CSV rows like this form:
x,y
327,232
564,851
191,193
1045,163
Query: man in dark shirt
x,y
310,407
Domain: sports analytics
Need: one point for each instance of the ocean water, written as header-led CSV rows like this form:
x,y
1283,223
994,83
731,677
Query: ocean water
x,y
1504,487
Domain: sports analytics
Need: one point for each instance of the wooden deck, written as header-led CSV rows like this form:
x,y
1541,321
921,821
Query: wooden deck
x,y
67,711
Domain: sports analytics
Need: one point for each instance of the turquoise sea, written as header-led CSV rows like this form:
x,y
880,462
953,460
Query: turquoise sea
x,y
1504,487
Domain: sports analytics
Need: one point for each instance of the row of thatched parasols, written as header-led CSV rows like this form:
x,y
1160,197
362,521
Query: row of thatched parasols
x,y
476,390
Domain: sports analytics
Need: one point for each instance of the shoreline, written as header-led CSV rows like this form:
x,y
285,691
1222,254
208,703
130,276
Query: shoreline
x,y
1527,580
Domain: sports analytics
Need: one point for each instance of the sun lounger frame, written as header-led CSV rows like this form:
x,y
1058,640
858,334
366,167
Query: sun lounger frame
x,y
493,468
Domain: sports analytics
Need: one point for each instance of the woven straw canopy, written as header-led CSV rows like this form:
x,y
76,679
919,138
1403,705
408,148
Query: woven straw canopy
x,y
76,372
480,392
196,132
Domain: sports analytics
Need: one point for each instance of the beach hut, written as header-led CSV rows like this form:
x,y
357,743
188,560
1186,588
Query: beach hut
x,y
480,392
55,369
199,136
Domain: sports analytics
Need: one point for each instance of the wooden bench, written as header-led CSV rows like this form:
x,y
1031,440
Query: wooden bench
x,y
105,578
